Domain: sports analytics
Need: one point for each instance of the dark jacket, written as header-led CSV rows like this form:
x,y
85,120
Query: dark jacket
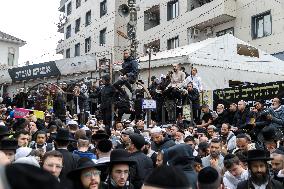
x,y
130,67
107,96
222,118
81,100
181,156
277,117
69,163
192,96
273,184
241,119
144,167
59,107
166,143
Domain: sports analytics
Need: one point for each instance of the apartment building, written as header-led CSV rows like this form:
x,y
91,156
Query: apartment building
x,y
97,27
170,24
9,49
92,27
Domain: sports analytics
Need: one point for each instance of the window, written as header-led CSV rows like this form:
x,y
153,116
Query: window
x,y
103,8
103,37
173,9
223,32
68,31
69,8
173,43
261,25
77,49
78,3
67,53
11,56
87,45
77,25
88,18
152,17
154,45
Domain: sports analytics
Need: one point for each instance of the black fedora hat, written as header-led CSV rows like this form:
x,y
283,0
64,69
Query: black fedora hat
x,y
8,144
63,135
270,134
258,155
4,131
100,135
121,156
85,163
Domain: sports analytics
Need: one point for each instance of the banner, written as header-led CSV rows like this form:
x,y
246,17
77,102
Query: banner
x,y
249,93
39,114
21,112
34,71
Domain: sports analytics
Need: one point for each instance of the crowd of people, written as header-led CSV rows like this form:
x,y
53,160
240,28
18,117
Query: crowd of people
x,y
232,147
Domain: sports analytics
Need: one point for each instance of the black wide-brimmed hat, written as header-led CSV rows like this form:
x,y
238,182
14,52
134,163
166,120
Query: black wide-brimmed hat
x,y
4,131
85,163
28,176
63,135
8,144
100,135
258,155
121,156
270,134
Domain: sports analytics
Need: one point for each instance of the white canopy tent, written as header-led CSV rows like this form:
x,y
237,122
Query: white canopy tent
x,y
218,62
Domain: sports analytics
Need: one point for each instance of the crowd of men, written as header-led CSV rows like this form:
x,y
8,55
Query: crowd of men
x,y
233,148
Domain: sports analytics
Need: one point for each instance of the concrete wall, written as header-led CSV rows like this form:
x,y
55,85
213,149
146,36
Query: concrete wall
x,y
4,50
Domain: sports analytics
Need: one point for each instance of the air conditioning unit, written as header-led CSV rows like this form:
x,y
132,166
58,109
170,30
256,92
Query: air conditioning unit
x,y
208,31
195,32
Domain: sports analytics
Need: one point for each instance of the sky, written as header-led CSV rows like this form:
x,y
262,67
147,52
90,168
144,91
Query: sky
x,y
33,21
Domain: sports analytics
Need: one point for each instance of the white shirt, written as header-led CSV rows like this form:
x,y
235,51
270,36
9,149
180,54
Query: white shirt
x,y
195,80
263,186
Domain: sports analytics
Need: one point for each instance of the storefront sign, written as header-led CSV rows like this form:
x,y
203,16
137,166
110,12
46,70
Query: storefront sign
x,y
34,71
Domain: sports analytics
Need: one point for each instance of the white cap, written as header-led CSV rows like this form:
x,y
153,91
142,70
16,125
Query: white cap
x,y
31,160
22,152
72,122
156,130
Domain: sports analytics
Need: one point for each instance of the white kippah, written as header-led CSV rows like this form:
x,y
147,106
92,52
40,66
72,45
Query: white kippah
x,y
72,122
156,130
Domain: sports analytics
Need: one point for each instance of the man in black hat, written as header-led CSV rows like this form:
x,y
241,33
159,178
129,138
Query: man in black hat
x,y
9,146
87,174
259,171
69,160
144,163
166,177
119,167
270,136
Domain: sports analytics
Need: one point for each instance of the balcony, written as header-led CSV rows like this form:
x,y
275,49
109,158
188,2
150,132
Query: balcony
x,y
60,47
61,24
212,13
62,5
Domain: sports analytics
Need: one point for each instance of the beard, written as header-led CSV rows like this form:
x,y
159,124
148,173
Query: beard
x,y
259,178
215,154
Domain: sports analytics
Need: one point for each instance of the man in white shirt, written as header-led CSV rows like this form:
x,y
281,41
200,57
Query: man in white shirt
x,y
235,173
193,78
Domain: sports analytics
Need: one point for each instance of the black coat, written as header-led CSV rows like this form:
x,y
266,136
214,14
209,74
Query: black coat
x,y
69,163
107,96
241,119
59,106
130,68
143,168
273,184
82,102
166,143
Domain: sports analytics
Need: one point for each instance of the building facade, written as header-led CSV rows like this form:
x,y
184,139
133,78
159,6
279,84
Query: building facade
x,y
9,49
169,24
92,27
96,27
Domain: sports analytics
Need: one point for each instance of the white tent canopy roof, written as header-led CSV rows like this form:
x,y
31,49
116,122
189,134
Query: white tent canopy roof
x,y
221,54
